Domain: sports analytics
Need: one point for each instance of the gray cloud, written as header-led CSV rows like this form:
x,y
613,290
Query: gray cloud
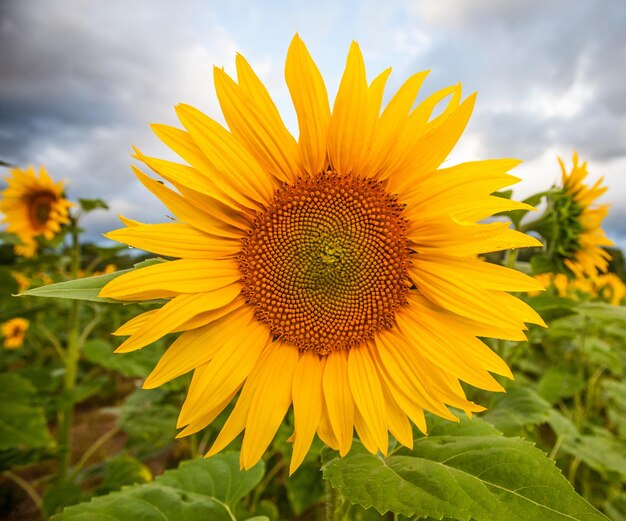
x,y
82,80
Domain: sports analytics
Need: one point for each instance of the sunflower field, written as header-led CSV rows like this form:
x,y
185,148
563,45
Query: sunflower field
x,y
338,325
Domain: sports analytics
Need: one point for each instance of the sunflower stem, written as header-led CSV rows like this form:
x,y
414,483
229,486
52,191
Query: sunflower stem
x,y
72,355
511,258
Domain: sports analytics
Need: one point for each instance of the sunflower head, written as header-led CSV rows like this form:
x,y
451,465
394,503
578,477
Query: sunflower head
x,y
33,206
610,288
572,225
337,273
14,331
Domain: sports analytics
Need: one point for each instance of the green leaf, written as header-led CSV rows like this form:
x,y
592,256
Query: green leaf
x,y
149,422
519,407
122,470
8,285
551,307
484,477
305,487
199,490
615,395
504,194
543,263
62,494
602,311
560,382
83,289
136,363
601,451
88,205
562,425
22,421
604,354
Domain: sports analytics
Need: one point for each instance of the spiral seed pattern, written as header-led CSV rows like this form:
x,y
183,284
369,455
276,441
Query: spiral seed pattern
x,y
325,265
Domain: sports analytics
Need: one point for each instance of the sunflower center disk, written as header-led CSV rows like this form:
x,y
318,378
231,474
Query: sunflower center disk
x,y
40,206
325,266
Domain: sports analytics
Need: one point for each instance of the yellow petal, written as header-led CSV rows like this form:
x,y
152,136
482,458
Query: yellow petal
x,y
430,150
134,323
368,394
338,398
252,121
310,99
364,433
397,420
176,312
188,213
403,372
348,123
270,401
234,169
392,123
176,240
308,397
195,348
205,420
168,279
228,369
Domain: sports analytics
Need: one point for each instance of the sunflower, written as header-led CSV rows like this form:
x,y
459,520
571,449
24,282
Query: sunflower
x,y
337,273
33,206
14,331
583,253
610,288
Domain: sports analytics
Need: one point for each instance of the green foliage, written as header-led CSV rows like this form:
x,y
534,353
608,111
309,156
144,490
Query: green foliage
x,y
137,363
558,383
123,470
22,421
519,407
88,205
198,490
62,494
148,420
460,473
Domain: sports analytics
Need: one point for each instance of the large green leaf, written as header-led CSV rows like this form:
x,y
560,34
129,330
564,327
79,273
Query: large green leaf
x,y
463,475
198,490
22,421
83,289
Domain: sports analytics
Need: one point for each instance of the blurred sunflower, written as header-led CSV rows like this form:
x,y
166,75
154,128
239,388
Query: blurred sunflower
x,y
581,222
14,331
33,206
337,273
23,282
610,288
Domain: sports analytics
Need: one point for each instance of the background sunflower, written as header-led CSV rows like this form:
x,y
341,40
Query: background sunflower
x,y
33,206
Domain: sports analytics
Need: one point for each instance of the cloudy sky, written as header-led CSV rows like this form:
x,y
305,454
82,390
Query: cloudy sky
x,y
80,80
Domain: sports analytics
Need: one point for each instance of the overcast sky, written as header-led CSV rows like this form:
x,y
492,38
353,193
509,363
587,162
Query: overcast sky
x,y
80,80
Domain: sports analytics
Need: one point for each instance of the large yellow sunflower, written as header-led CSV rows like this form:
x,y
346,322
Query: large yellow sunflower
x,y
585,255
337,273
33,206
